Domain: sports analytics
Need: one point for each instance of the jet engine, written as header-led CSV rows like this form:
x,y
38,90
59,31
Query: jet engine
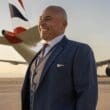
x,y
108,71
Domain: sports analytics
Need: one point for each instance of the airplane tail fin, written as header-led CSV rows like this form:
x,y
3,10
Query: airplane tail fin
x,y
20,23
18,15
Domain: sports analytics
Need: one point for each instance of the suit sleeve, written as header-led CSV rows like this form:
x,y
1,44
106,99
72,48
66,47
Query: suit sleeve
x,y
85,79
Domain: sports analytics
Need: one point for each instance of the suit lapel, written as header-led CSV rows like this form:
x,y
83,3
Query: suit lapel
x,y
56,51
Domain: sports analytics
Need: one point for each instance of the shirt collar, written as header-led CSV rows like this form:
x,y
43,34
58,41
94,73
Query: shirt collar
x,y
53,41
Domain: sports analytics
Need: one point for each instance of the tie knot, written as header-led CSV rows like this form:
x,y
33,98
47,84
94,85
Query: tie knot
x,y
43,48
45,45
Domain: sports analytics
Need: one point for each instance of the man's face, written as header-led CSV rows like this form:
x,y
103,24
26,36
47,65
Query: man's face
x,y
51,25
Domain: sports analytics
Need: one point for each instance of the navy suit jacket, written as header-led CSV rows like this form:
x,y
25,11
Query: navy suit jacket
x,y
68,81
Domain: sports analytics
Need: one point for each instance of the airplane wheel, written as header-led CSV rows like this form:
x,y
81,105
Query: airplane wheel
x,y
108,71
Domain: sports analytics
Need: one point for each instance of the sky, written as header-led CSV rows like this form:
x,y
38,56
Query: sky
x,y
88,22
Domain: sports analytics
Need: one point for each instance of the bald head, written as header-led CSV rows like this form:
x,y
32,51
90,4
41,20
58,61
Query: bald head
x,y
58,10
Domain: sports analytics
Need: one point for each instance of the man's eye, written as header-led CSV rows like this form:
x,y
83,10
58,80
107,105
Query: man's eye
x,y
47,19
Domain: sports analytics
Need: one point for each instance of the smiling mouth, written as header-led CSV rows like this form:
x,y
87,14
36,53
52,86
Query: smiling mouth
x,y
44,29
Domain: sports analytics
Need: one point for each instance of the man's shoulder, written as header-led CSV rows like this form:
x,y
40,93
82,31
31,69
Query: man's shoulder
x,y
77,44
78,48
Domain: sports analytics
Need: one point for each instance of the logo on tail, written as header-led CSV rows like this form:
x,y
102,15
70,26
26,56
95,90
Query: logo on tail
x,y
20,22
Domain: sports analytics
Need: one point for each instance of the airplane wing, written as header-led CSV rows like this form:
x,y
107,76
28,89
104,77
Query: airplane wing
x,y
101,63
13,62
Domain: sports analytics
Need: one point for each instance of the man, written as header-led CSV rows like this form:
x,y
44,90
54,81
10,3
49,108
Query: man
x,y
66,77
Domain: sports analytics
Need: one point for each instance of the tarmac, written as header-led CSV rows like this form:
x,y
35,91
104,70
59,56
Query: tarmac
x,y
104,93
10,93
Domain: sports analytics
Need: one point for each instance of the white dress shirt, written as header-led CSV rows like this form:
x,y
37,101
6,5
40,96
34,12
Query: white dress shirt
x,y
52,43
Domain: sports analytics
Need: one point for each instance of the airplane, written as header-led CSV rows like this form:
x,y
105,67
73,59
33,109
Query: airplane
x,y
24,38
